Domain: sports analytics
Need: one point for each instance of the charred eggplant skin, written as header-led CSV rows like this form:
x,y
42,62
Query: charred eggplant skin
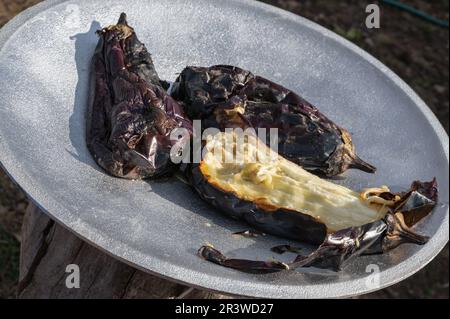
x,y
306,136
339,248
130,116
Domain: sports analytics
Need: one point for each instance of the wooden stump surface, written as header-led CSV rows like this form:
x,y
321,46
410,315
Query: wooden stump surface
x,y
48,248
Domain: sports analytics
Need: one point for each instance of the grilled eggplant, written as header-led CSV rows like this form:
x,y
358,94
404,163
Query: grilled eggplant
x,y
226,96
130,116
281,198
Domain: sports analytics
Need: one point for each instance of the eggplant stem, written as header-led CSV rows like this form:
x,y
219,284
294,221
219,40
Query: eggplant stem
x,y
413,238
123,19
358,163
404,233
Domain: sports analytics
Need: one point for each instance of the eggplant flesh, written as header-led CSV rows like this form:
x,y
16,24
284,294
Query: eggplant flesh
x,y
130,116
281,198
229,97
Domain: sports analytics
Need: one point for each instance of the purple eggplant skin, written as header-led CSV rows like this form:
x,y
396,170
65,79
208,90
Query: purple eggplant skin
x,y
306,136
130,116
339,248
213,255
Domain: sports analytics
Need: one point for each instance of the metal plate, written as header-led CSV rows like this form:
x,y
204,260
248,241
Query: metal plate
x,y
158,226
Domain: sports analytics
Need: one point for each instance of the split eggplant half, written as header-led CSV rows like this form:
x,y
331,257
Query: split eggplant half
x,y
226,96
247,180
130,116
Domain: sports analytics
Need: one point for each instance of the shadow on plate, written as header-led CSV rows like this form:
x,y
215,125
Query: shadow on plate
x,y
84,49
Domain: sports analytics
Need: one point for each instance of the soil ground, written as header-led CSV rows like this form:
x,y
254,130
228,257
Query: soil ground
x,y
416,50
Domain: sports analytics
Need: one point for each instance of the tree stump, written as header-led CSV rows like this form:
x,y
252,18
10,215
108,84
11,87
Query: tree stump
x,y
48,248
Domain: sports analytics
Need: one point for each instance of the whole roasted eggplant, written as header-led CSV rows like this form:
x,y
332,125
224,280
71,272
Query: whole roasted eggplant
x,y
226,96
279,197
130,116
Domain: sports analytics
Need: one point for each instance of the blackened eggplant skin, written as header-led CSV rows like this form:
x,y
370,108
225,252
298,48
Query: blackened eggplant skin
x,y
130,116
339,248
306,136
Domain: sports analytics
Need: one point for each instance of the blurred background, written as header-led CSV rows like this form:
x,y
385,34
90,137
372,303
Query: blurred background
x,y
415,48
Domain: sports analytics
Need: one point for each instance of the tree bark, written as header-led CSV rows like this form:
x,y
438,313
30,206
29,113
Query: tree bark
x,y
48,248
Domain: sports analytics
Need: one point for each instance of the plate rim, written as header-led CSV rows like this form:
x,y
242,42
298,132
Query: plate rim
x,y
334,290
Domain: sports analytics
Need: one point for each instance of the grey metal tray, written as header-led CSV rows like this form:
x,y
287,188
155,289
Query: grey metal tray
x,y
158,226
